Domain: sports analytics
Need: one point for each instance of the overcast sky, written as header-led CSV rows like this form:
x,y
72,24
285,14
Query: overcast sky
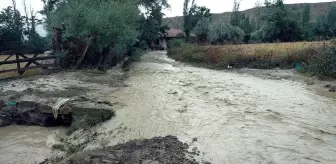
x,y
216,6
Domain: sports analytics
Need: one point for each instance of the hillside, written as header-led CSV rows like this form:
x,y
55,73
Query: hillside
x,y
316,10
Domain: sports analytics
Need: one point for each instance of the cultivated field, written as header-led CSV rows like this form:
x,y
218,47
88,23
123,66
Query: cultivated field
x,y
272,48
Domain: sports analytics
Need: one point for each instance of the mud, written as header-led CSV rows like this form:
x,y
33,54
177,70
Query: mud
x,y
34,144
159,150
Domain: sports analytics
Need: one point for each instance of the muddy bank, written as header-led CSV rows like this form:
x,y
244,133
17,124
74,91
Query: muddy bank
x,y
87,88
158,150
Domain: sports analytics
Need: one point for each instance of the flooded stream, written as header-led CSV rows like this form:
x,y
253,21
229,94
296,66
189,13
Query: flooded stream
x,y
25,145
229,117
232,117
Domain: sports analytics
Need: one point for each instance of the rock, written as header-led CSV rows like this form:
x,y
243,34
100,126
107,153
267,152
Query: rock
x,y
30,113
194,139
4,122
95,161
2,104
332,89
147,151
150,162
310,82
327,86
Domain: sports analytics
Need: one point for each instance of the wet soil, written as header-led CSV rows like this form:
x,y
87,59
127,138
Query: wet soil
x,y
158,150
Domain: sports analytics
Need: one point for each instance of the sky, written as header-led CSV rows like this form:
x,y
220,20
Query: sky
x,y
220,6
216,6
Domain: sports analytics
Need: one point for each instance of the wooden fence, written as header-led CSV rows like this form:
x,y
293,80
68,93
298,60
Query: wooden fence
x,y
21,58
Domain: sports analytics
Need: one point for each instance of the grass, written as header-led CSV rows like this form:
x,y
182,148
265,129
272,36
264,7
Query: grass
x,y
13,66
301,55
87,118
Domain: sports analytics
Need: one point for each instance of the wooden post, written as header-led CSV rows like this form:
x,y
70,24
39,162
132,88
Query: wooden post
x,y
18,64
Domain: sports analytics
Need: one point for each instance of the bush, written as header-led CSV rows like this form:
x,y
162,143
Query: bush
x,y
202,30
175,43
222,32
324,63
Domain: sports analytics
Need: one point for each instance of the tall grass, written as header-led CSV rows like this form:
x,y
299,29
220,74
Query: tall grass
x,y
317,58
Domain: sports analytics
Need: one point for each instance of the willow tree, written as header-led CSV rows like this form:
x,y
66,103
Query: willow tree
x,y
105,29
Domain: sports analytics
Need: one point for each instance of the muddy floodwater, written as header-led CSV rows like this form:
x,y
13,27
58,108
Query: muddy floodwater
x,y
26,145
230,117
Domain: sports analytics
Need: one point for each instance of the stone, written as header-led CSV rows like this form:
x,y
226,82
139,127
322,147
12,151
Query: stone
x,y
150,162
332,89
106,161
30,113
310,82
95,161
2,104
327,86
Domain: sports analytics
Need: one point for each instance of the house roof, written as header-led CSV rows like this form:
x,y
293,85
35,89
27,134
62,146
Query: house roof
x,y
173,32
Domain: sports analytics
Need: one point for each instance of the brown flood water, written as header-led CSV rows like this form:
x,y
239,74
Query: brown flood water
x,y
236,118
26,144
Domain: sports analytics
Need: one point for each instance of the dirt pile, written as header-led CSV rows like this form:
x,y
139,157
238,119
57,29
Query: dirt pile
x,y
158,150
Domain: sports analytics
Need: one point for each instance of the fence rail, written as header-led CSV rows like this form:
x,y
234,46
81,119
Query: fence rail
x,y
36,59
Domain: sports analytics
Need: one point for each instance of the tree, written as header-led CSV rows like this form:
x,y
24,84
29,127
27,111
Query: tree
x,y
202,30
307,28
236,15
257,21
11,29
192,14
281,24
222,33
306,15
326,24
151,24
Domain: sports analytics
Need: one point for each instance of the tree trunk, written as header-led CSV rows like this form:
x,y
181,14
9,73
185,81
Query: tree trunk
x,y
79,61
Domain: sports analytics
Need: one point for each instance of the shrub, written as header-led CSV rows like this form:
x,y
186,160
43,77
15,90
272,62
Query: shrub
x,y
202,30
222,32
324,63
175,42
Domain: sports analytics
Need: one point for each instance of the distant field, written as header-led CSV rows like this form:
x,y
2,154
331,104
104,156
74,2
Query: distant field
x,y
264,56
13,66
271,48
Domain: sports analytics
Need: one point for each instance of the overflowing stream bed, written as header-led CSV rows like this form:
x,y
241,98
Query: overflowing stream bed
x,y
233,116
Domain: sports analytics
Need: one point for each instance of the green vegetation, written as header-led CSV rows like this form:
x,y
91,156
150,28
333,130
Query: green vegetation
x,y
278,23
87,118
192,14
71,147
14,27
316,58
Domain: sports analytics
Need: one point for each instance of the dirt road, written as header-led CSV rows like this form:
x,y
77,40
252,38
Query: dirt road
x,y
230,117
